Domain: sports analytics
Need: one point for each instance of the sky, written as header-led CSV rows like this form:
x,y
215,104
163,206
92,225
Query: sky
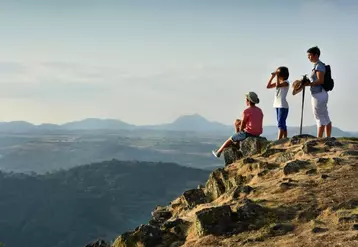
x,y
148,62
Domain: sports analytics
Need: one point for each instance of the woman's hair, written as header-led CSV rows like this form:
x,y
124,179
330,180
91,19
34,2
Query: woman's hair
x,y
283,72
314,51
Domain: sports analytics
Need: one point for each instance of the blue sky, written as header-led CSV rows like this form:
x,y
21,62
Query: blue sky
x,y
148,62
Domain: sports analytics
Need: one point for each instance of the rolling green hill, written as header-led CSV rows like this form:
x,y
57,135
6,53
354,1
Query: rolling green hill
x,y
72,207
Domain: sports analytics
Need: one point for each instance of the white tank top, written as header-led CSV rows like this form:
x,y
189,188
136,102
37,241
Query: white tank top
x,y
280,97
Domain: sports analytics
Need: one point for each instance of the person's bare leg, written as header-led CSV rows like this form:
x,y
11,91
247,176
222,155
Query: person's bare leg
x,y
237,124
329,129
285,134
320,131
281,134
226,143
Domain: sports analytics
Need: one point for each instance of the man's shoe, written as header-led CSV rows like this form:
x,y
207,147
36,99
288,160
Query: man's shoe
x,y
216,154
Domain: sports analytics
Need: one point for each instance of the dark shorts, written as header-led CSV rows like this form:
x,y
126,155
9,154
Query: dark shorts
x,y
240,136
282,114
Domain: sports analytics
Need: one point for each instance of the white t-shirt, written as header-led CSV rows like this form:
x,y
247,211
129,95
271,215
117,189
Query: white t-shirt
x,y
280,97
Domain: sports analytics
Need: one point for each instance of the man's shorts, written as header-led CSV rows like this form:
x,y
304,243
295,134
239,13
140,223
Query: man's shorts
x,y
282,114
240,136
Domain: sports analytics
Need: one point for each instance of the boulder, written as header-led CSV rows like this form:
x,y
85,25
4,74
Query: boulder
x,y
247,189
250,216
194,197
177,226
99,243
322,160
348,219
281,229
253,145
295,166
231,154
144,235
297,139
332,142
308,214
249,211
263,172
272,151
284,157
311,172
350,153
249,160
268,166
215,187
287,185
159,216
248,147
337,161
242,189
215,220
220,182
319,229
350,204
309,146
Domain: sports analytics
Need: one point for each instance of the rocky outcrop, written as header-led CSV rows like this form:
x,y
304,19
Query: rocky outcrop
x,y
295,166
145,235
99,243
232,154
194,197
220,182
294,191
248,147
160,215
214,220
299,139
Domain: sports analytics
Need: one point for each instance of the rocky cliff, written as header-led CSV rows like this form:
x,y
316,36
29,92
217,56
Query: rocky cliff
x,y
301,191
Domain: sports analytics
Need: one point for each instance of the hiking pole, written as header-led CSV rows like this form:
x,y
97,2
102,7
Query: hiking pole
x,y
303,104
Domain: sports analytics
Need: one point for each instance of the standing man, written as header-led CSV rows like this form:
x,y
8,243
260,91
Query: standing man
x,y
319,94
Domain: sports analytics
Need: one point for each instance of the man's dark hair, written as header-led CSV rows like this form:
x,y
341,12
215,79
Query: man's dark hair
x,y
283,72
314,50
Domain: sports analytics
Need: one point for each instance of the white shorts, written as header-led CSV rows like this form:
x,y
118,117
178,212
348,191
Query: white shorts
x,y
320,110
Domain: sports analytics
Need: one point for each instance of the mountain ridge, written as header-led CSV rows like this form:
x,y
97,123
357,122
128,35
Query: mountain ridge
x,y
187,123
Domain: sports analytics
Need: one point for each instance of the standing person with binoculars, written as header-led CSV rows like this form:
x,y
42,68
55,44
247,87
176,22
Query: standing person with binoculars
x,y
280,103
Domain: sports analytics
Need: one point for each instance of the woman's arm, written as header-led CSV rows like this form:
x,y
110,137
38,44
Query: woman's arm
x,y
269,83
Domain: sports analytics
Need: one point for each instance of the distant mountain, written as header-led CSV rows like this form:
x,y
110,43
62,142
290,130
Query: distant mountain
x,y
76,206
16,126
195,123
48,126
95,123
355,134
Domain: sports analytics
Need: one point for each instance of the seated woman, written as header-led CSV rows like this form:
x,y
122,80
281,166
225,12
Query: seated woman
x,y
250,125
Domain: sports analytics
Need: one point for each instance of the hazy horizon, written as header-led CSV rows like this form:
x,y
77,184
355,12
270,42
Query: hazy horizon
x,y
144,125
149,62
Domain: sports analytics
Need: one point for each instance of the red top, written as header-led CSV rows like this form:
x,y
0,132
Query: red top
x,y
253,117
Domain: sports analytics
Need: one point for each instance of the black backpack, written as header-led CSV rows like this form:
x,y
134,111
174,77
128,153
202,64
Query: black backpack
x,y
328,83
